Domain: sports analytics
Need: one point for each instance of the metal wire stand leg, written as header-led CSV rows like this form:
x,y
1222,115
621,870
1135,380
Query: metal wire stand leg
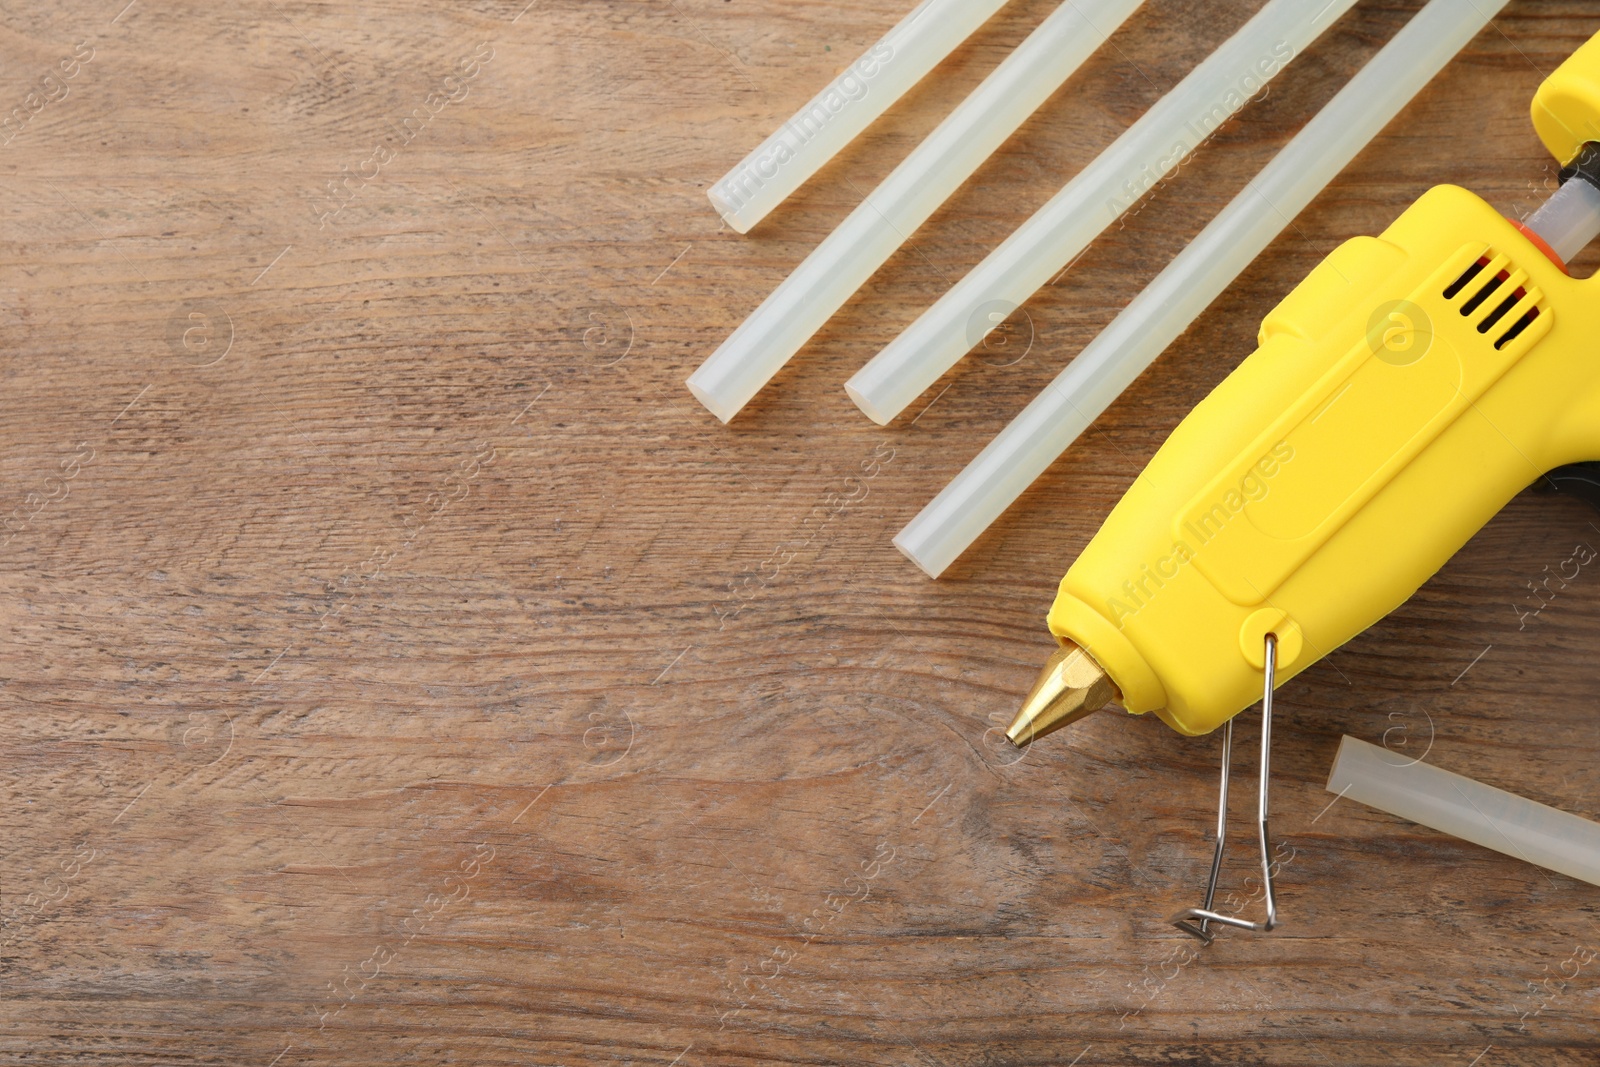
x,y
1186,920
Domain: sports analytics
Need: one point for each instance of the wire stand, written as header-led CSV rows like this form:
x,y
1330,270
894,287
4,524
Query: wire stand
x,y
1197,921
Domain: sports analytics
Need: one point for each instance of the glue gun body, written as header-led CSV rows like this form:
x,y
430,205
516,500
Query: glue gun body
x,y
1399,397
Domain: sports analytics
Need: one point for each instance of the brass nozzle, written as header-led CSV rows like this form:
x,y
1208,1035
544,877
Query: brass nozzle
x,y
1071,686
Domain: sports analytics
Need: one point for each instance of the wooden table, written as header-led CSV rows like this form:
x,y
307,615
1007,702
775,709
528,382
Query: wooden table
x,y
401,667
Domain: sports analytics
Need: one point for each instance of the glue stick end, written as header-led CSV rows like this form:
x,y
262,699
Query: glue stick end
x,y
723,412
868,408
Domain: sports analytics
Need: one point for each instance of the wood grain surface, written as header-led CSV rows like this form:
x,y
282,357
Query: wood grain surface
x,y
400,667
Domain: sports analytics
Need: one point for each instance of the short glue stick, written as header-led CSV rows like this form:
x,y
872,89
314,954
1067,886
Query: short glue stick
x,y
1515,826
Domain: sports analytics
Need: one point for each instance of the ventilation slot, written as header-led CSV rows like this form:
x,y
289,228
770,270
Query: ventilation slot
x,y
1466,276
1483,294
1516,328
1505,305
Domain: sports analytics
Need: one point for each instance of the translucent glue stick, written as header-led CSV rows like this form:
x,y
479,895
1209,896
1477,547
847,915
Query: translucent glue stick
x,y
799,148
839,266
1093,200
1462,807
1157,316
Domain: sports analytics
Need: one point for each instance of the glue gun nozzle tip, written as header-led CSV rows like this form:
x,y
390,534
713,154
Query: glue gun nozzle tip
x,y
1071,686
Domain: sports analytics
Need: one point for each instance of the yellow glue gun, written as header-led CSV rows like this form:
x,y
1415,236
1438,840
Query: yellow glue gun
x,y
1401,395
